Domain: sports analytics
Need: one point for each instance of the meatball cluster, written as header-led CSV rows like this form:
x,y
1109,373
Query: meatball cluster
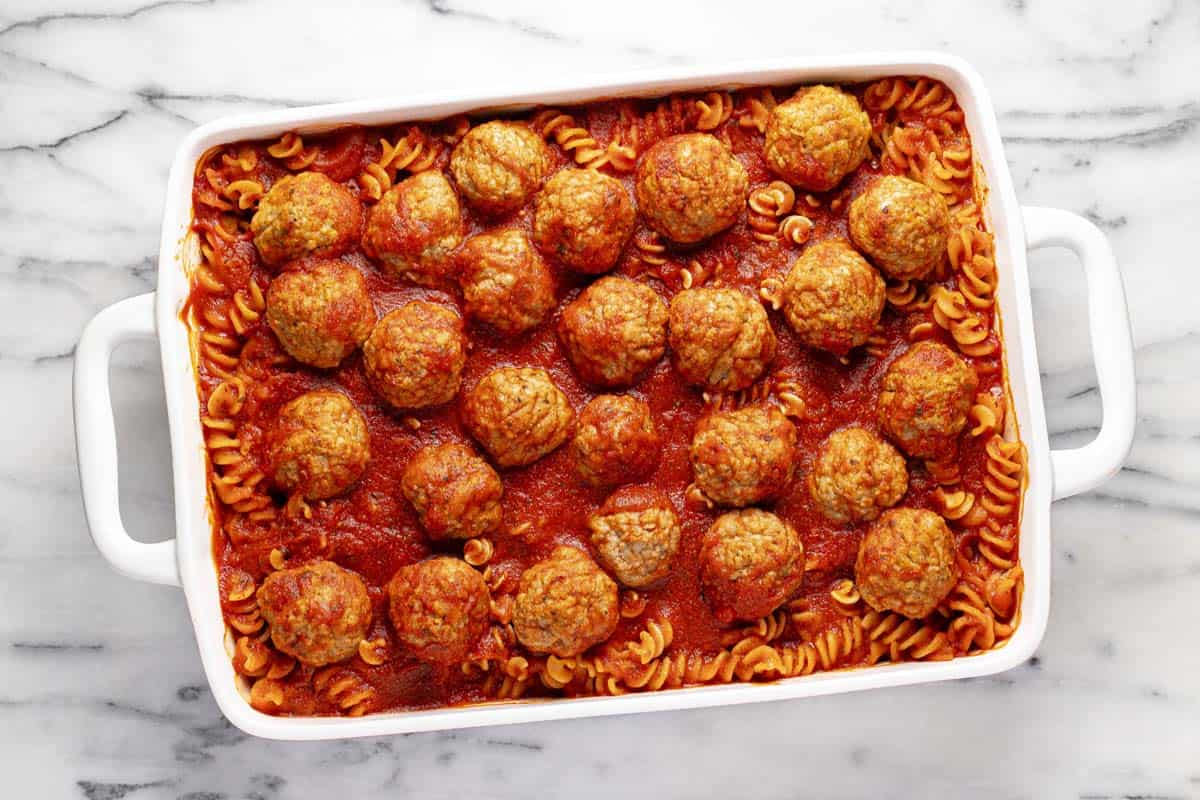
x,y
583,218
817,137
924,399
415,227
518,415
415,356
832,298
455,493
615,441
744,457
320,314
317,613
906,562
720,339
305,215
505,282
902,225
319,446
690,187
499,165
439,609
614,331
565,604
636,535
856,476
751,561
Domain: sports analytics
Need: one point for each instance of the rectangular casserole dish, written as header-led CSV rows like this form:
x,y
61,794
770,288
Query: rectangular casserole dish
x,y
187,560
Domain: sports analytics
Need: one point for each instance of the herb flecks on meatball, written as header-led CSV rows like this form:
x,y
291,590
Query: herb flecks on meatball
x,y
317,613
856,476
499,165
924,399
615,441
415,227
751,562
518,415
690,187
614,331
415,356
906,562
902,225
636,535
832,298
565,604
583,218
305,215
817,137
720,339
505,281
439,609
319,445
455,493
745,456
320,313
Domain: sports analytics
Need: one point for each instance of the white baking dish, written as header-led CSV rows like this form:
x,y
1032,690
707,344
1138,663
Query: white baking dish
x,y
187,560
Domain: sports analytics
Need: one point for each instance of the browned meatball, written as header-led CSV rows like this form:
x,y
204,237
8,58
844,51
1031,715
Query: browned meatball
x,y
456,493
305,214
317,613
906,562
614,331
498,165
321,313
720,338
583,219
439,609
415,227
817,137
751,561
615,441
690,186
414,358
902,225
744,457
565,604
636,535
924,399
319,445
505,282
832,298
518,415
856,476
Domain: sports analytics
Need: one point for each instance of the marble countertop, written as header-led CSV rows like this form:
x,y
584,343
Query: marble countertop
x,y
101,692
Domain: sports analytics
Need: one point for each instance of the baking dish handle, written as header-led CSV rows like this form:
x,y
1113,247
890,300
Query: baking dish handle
x,y
96,442
1081,468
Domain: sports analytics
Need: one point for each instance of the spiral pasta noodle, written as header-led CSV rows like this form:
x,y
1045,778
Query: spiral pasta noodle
x,y
568,134
1005,464
344,689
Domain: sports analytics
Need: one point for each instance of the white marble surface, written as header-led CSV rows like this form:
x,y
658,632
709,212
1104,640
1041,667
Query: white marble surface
x,y
101,694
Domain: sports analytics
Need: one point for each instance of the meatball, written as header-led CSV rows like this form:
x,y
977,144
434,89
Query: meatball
x,y
744,457
832,298
583,219
636,535
902,225
817,137
320,314
906,562
690,187
751,561
565,604
614,331
317,613
319,445
615,441
924,399
856,476
415,227
518,415
305,214
439,609
498,165
456,493
505,282
414,358
720,338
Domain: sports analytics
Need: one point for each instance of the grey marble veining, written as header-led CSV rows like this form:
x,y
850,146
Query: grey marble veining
x,y
101,693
